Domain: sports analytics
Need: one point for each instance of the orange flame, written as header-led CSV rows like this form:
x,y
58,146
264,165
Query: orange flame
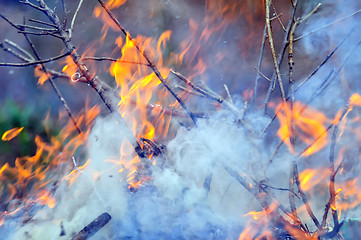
x,y
32,175
312,177
74,173
10,134
309,126
43,77
45,198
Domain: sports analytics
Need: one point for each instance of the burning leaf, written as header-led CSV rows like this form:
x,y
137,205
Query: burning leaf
x,y
10,134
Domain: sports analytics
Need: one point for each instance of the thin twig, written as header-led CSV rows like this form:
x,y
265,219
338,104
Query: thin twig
x,y
264,76
42,22
327,25
304,197
65,18
32,5
197,88
332,201
35,62
258,76
16,54
10,22
74,17
273,51
326,59
184,89
228,93
22,50
277,16
113,60
42,34
38,28
212,95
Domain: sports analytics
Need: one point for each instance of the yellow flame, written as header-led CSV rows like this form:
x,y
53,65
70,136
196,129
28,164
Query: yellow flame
x,y
10,134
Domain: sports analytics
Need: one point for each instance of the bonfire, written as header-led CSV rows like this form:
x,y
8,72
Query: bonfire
x,y
213,119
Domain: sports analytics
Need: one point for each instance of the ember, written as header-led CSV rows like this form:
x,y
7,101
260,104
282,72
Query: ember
x,y
216,119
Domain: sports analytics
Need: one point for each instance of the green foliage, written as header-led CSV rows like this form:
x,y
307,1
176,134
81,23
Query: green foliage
x,y
13,115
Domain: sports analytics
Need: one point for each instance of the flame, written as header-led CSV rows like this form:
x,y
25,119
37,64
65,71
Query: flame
x,y
75,172
257,229
45,198
43,77
70,68
355,100
309,126
100,13
31,176
309,178
350,196
10,134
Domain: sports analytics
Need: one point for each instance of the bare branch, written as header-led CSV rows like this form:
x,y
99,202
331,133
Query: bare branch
x,y
22,50
303,196
65,14
327,25
42,34
31,5
74,17
258,77
42,22
37,28
16,54
113,60
35,62
277,16
10,22
196,88
273,51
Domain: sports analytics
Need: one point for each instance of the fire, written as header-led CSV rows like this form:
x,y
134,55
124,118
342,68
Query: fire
x,y
309,126
31,176
70,68
309,178
254,214
75,172
45,198
257,229
139,88
10,134
355,100
39,73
